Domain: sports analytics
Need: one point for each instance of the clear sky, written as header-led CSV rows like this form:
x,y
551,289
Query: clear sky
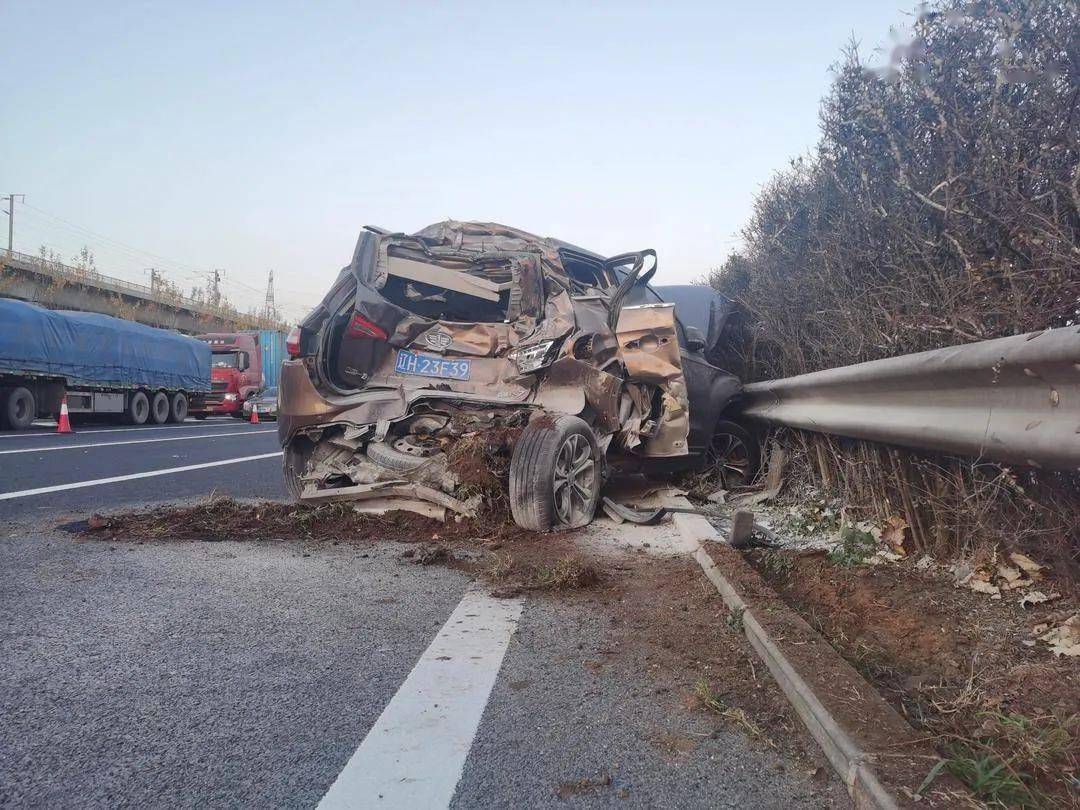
x,y
251,136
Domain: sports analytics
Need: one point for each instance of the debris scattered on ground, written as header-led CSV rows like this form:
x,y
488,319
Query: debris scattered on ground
x,y
996,578
516,574
661,622
432,555
1063,638
581,787
513,559
714,702
893,534
1037,598
218,519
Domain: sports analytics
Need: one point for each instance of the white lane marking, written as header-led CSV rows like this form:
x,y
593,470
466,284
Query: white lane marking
x,y
133,441
414,754
25,493
18,434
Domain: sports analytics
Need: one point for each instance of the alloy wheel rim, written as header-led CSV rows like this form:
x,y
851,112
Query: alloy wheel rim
x,y
730,458
574,480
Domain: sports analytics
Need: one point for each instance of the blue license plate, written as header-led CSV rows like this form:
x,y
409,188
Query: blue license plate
x,y
424,365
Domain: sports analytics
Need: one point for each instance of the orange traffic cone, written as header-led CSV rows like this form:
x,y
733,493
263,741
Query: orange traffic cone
x,y
254,414
63,425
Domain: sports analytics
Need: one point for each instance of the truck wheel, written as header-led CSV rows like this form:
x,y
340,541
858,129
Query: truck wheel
x,y
555,474
138,409
159,408
20,409
178,407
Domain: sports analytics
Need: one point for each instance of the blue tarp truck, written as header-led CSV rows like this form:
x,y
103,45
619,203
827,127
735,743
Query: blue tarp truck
x,y
103,365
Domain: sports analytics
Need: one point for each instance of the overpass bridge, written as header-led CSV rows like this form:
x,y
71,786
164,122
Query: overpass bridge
x,y
59,286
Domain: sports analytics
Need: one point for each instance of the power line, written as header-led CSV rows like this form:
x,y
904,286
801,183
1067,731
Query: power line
x,y
83,229
139,258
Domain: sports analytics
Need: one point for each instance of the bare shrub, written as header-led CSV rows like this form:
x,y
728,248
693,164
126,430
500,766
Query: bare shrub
x,y
941,206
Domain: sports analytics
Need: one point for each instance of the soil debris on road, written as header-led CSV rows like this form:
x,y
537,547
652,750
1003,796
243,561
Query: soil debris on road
x,y
218,519
513,560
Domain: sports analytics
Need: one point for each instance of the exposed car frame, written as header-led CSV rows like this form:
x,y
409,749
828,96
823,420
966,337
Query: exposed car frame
x,y
571,354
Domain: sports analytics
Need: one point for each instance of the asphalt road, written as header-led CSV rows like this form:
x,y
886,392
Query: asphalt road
x,y
250,675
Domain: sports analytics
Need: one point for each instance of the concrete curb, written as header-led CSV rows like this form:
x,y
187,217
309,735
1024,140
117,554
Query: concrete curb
x,y
848,758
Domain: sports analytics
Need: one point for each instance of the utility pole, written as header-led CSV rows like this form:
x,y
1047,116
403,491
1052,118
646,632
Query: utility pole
x,y
11,219
215,290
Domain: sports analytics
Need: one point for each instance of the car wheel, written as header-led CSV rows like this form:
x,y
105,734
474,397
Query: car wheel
x,y
555,474
138,409
734,454
159,408
20,408
178,407
386,456
293,464
293,485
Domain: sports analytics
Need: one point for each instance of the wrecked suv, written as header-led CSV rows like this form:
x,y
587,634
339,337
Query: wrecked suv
x,y
441,359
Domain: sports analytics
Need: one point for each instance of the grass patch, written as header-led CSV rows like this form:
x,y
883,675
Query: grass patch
x,y
776,563
990,779
735,619
855,546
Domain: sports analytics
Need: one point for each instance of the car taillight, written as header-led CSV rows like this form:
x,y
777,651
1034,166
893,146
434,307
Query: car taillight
x,y
292,342
360,326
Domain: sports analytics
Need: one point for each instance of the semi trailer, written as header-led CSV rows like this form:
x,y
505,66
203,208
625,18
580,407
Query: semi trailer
x,y
244,363
103,365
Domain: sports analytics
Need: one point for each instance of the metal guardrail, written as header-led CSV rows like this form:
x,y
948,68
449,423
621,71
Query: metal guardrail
x,y
1014,399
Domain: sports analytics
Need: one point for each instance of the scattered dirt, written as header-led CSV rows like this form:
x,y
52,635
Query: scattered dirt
x,y
481,460
491,545
668,622
582,787
665,619
219,519
955,663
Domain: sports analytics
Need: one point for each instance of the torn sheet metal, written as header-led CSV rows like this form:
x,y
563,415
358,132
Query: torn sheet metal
x,y
402,490
649,346
1014,399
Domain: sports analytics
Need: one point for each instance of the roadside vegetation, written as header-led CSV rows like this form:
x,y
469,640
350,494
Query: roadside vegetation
x,y
941,206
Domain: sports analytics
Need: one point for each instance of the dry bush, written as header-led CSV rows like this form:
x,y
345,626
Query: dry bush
x,y
941,206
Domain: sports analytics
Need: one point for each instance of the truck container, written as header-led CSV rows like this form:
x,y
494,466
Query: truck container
x,y
272,348
103,365
244,363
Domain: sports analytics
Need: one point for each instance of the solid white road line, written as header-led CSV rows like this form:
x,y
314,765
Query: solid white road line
x,y
19,434
25,493
414,754
133,441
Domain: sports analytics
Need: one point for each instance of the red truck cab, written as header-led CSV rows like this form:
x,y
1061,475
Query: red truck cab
x,y
236,372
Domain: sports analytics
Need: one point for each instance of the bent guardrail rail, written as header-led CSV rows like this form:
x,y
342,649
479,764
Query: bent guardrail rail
x,y
1014,399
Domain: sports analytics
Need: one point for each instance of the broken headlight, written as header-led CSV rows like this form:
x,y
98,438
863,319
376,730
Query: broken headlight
x,y
534,357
